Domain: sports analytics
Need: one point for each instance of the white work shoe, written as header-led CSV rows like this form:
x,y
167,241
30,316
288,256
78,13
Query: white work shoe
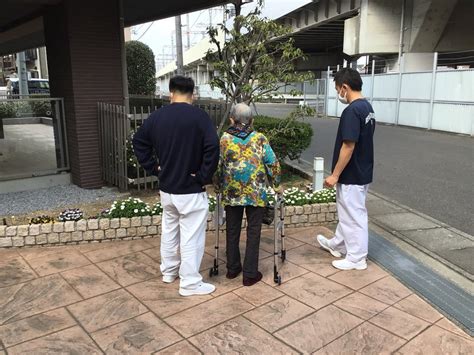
x,y
201,289
324,243
167,279
345,264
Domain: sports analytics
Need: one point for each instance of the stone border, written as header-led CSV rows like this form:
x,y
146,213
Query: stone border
x,y
104,229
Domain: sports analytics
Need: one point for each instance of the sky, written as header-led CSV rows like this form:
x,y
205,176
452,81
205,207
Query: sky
x,y
158,34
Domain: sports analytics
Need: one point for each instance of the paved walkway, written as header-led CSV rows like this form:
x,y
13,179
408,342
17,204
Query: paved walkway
x,y
109,298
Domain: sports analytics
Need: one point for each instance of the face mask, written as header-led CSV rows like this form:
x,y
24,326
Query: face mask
x,y
342,99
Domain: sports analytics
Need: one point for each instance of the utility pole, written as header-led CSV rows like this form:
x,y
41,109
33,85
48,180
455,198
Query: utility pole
x,y
22,74
179,46
188,33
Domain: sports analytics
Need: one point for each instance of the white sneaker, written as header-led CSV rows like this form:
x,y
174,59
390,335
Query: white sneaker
x,y
324,243
167,279
345,264
202,289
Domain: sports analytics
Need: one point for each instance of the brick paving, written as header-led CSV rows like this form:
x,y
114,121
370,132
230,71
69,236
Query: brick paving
x,y
108,298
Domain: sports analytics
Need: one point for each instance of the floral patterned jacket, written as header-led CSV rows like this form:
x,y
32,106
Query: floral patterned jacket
x,y
247,167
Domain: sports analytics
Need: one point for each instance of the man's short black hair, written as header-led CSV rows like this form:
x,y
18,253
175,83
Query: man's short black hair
x,y
350,77
182,84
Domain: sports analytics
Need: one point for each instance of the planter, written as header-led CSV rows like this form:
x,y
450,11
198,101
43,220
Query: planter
x,y
104,229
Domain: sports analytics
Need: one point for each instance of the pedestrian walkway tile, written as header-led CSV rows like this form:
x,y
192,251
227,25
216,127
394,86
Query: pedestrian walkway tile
x,y
109,298
105,310
387,290
143,334
365,339
437,341
361,305
320,328
279,313
415,306
239,336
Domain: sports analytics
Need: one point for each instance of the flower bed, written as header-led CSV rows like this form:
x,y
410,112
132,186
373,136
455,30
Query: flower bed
x,y
133,219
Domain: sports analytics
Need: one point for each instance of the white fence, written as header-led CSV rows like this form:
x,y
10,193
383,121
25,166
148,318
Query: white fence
x,y
440,99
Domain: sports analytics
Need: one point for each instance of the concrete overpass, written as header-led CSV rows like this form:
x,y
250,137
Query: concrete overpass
x,y
329,30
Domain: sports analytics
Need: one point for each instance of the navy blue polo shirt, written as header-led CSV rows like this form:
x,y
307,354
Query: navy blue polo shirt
x,y
357,124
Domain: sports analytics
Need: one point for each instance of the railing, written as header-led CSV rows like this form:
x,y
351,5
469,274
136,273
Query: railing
x,y
33,138
114,131
119,165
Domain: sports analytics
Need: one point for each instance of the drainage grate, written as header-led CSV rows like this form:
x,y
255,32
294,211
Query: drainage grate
x,y
452,300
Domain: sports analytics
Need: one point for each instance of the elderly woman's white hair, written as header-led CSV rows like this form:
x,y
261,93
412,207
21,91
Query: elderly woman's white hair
x,y
241,113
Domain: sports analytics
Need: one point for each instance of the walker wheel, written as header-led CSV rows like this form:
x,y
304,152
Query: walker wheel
x,y
214,271
279,280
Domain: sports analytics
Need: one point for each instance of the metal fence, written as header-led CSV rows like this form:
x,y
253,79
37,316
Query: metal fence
x,y
440,99
119,165
33,140
314,95
114,130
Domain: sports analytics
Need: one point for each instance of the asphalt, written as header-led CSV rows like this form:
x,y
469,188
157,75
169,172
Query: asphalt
x,y
429,171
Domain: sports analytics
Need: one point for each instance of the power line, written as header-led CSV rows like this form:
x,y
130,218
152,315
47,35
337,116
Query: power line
x,y
200,13
145,31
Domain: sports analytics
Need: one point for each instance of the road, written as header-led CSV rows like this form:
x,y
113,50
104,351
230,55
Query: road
x,y
429,171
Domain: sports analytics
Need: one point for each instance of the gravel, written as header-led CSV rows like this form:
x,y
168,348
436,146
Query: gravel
x,y
67,196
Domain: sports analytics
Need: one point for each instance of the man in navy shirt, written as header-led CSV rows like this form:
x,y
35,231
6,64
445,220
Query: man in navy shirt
x,y
352,172
179,144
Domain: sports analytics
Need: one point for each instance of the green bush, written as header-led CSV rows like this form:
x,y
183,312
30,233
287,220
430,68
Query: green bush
x,y
288,138
140,68
7,110
131,207
41,108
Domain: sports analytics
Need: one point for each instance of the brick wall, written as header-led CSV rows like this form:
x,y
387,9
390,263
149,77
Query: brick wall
x,y
83,47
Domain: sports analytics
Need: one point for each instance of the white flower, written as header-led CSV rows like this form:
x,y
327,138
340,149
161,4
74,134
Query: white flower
x,y
142,210
135,210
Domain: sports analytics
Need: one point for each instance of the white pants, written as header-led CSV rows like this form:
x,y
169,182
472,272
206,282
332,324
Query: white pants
x,y
352,233
183,232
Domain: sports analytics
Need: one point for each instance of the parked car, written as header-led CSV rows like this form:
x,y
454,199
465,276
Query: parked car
x,y
35,86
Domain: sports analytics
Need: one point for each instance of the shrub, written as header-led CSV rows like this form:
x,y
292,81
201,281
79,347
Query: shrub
x,y
212,203
323,196
157,209
296,197
288,138
71,215
7,110
140,68
42,219
41,108
131,207
23,108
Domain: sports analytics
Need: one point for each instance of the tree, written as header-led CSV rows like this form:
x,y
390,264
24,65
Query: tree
x,y
256,59
140,68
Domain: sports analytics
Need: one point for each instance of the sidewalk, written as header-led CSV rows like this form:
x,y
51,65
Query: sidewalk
x,y
109,298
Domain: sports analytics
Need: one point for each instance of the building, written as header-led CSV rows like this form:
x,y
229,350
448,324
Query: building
x,y
84,42
36,64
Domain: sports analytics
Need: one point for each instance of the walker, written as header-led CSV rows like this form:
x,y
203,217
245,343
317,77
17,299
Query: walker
x,y
219,220
278,233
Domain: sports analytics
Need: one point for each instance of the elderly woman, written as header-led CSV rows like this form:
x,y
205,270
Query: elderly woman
x,y
247,166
